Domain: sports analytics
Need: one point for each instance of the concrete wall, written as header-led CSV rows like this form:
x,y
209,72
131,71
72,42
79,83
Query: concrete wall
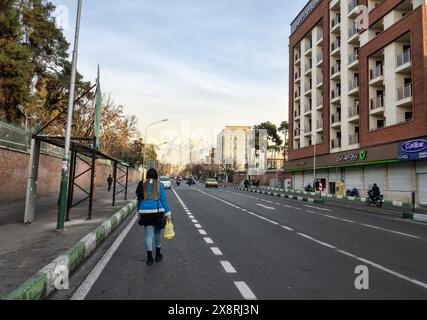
x,y
14,174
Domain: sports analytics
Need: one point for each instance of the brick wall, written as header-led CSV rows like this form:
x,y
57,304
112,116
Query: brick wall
x,y
14,174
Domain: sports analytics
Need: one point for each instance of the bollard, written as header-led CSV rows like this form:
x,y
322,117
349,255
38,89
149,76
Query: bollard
x,y
413,202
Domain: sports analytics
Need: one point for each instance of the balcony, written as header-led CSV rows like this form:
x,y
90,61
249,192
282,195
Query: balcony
x,y
319,127
297,96
298,76
297,114
377,106
336,71
307,109
336,120
353,34
353,139
308,67
336,24
319,81
335,143
353,113
404,96
308,47
307,129
319,58
319,103
297,133
319,37
404,62
353,60
377,75
353,87
352,8
308,88
336,47
336,95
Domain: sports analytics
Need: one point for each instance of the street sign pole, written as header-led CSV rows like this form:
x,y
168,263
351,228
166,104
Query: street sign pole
x,y
65,163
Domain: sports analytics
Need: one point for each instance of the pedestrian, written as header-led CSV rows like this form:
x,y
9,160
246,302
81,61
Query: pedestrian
x,y
110,182
153,211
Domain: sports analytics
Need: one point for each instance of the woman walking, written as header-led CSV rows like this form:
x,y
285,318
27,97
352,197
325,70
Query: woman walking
x,y
153,210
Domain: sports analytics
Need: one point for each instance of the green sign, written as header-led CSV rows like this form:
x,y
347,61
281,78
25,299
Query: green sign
x,y
363,154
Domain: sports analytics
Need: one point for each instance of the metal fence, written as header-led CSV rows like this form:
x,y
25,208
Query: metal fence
x,y
17,138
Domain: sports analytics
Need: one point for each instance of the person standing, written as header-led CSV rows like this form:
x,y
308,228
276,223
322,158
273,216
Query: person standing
x,y
110,182
153,210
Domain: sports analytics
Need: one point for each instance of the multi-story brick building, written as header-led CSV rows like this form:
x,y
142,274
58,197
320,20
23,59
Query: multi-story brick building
x,y
358,91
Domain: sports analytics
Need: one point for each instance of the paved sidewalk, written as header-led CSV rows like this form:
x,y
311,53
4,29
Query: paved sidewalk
x,y
25,249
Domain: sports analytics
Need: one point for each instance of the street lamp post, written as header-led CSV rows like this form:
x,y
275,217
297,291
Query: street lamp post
x,y
314,160
65,162
145,139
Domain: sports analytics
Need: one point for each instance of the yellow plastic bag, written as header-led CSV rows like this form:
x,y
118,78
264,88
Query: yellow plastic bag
x,y
168,232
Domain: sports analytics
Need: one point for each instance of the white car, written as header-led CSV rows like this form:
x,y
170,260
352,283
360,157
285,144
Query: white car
x,y
167,184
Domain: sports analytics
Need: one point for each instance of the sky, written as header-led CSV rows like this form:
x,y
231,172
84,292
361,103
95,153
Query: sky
x,y
202,64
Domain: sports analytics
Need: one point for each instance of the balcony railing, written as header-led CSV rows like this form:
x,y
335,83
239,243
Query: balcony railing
x,y
403,58
336,118
319,79
297,94
307,129
319,101
353,57
336,68
336,93
353,84
319,35
377,102
297,56
336,44
404,92
307,108
308,65
336,143
353,111
308,87
336,21
297,113
354,139
352,31
297,133
319,124
308,46
377,71
352,5
297,75
320,56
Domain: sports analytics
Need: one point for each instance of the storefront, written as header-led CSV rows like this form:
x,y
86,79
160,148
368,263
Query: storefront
x,y
397,168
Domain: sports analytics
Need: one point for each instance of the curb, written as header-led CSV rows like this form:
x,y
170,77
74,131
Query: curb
x,y
398,204
286,196
414,216
44,282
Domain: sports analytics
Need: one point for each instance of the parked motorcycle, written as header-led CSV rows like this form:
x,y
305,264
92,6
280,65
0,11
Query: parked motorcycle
x,y
308,188
353,193
371,200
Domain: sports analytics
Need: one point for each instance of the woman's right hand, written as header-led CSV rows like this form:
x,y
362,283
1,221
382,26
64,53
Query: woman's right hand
x,y
169,217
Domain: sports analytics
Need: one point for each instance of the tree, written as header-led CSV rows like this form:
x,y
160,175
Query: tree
x,y
273,136
284,128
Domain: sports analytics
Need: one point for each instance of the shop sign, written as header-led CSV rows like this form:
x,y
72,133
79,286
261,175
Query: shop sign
x,y
413,150
353,157
308,10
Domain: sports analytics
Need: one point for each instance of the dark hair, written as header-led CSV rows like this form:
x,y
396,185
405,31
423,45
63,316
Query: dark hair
x,y
152,174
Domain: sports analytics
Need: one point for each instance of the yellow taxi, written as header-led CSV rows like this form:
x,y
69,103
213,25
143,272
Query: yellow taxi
x,y
211,183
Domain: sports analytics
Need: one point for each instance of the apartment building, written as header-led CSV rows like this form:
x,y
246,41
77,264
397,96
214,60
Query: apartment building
x,y
358,96
232,148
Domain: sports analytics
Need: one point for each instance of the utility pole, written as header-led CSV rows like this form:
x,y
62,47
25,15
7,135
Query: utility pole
x,y
65,163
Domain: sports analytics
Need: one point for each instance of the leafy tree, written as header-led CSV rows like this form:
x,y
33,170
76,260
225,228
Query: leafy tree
x,y
273,136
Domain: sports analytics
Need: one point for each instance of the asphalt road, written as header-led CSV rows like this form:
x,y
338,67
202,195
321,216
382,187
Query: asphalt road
x,y
233,245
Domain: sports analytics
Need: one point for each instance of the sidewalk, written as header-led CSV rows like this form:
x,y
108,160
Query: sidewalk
x,y
25,249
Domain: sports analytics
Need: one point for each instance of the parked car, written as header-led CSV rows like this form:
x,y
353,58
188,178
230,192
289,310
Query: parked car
x,y
166,182
211,183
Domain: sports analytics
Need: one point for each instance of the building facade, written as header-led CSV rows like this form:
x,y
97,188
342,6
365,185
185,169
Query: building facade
x,y
358,92
232,148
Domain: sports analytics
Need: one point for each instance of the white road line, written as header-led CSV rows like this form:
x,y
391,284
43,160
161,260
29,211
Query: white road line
x,y
265,219
198,226
194,221
87,285
203,232
208,240
392,231
245,291
309,211
228,267
287,228
263,206
375,265
216,251
317,241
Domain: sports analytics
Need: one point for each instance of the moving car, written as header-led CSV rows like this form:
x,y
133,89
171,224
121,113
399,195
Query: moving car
x,y
211,183
166,182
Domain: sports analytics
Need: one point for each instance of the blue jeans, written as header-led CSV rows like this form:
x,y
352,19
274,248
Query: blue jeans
x,y
150,233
